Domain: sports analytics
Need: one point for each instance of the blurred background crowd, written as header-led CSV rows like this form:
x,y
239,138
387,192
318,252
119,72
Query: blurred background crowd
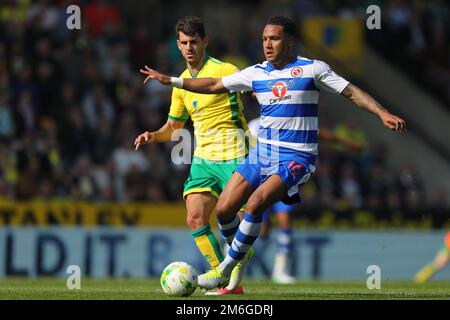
x,y
72,101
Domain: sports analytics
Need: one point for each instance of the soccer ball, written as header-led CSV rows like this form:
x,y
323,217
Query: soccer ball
x,y
179,279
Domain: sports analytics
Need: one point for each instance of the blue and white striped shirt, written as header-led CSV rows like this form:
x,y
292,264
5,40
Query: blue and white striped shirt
x,y
288,99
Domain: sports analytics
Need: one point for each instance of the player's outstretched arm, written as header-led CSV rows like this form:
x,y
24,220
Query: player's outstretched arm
x,y
363,100
198,85
164,134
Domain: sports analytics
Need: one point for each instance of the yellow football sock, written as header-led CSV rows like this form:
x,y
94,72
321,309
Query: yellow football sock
x,y
208,245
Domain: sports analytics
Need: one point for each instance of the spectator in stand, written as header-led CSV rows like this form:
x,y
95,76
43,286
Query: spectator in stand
x,y
347,130
102,147
8,171
7,126
125,158
412,188
349,186
83,186
437,70
96,104
43,11
99,14
141,47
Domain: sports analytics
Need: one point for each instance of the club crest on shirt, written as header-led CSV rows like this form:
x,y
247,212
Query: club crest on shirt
x,y
296,72
279,90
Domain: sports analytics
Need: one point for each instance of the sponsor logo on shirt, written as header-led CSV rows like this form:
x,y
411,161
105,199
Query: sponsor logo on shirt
x,y
279,90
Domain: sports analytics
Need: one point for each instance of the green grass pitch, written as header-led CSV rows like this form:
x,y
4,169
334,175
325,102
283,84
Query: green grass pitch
x,y
149,289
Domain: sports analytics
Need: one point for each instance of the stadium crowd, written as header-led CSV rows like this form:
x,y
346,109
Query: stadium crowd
x,y
419,32
72,102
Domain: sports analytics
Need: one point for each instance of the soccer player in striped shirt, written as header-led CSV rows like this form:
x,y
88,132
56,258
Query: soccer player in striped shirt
x,y
287,88
282,212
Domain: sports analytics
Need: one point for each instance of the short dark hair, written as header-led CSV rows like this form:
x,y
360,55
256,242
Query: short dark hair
x,y
289,26
191,25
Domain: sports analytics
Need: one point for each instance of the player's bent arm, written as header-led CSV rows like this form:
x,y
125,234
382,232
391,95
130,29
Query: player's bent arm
x,y
363,100
164,134
174,125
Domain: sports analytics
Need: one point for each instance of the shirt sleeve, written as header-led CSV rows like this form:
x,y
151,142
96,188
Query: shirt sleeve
x,y
228,69
178,111
239,81
325,78
253,126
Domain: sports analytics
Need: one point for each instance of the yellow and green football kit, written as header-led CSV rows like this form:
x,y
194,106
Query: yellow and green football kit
x,y
431,268
219,129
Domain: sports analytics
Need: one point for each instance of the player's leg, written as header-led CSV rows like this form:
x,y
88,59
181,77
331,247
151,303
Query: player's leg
x,y
226,244
280,272
238,181
271,191
199,209
280,186
228,216
263,239
440,261
231,200
201,193
234,196
234,286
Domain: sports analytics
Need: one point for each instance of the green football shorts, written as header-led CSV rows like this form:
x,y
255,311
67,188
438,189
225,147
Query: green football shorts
x,y
209,176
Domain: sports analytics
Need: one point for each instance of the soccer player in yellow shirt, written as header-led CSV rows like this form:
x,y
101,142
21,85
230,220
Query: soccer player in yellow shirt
x,y
219,124
438,263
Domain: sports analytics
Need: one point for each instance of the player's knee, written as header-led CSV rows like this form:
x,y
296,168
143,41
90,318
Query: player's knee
x,y
195,220
220,209
254,204
224,211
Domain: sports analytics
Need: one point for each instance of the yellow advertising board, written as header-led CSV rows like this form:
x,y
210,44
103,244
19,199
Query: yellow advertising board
x,y
43,213
335,39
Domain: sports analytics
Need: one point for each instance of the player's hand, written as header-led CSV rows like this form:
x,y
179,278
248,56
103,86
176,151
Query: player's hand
x,y
153,74
393,122
144,138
